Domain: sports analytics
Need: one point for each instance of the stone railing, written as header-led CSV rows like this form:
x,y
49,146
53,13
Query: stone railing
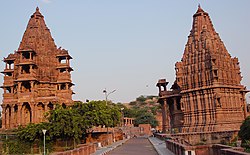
x,y
232,152
8,80
64,76
216,149
219,149
82,149
178,148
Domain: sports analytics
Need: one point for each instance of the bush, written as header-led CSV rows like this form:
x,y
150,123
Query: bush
x,y
141,99
17,147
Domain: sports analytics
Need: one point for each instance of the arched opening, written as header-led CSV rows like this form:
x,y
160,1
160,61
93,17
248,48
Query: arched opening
x,y
50,106
26,87
63,86
40,112
64,105
26,114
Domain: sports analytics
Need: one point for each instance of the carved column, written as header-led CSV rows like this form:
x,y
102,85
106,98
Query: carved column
x,y
164,115
175,103
12,119
19,87
46,109
7,117
199,109
33,112
32,86
244,105
19,114
3,117
191,115
30,55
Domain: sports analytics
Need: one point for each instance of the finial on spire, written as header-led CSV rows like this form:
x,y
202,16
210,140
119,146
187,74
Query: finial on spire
x,y
37,9
199,5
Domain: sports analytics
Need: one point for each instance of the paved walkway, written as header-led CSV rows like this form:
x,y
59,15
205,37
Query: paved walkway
x,y
160,146
140,145
135,146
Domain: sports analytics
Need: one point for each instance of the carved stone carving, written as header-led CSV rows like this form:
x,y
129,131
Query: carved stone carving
x,y
32,76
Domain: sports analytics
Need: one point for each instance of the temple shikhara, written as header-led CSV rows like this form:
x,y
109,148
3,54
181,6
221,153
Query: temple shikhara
x,y
36,77
207,94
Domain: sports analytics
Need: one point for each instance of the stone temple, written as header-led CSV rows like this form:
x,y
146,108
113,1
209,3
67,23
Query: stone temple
x,y
36,77
207,94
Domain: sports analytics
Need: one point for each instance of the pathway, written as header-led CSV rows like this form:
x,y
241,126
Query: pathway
x,y
135,146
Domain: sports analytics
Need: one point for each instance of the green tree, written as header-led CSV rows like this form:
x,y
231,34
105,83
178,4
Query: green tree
x,y
146,118
141,99
244,134
72,122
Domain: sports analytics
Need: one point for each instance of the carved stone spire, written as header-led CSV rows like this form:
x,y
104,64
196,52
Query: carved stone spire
x,y
37,36
209,80
205,58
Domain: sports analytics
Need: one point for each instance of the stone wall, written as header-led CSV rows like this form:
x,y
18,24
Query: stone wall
x,y
82,149
201,138
217,149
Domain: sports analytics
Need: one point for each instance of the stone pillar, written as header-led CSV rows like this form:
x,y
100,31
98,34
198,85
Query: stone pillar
x,y
7,117
46,109
3,117
164,116
67,59
199,108
19,114
20,69
244,105
33,112
32,86
30,55
12,119
191,107
175,104
19,87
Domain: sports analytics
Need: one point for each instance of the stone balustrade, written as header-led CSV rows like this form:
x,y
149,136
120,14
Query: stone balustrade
x,y
216,149
82,149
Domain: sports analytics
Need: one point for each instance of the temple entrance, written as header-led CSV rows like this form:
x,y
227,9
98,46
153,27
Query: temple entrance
x,y
40,112
26,114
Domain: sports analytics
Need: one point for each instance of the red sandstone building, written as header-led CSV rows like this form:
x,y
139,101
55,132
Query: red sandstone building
x,y
36,77
207,94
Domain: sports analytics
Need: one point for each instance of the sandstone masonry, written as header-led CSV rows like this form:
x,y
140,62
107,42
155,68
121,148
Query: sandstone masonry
x,y
36,77
207,94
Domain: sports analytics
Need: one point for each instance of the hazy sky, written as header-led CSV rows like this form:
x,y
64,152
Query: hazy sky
x,y
125,45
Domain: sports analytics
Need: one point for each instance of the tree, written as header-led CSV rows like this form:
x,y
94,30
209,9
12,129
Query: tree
x,y
145,116
72,122
244,132
141,99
